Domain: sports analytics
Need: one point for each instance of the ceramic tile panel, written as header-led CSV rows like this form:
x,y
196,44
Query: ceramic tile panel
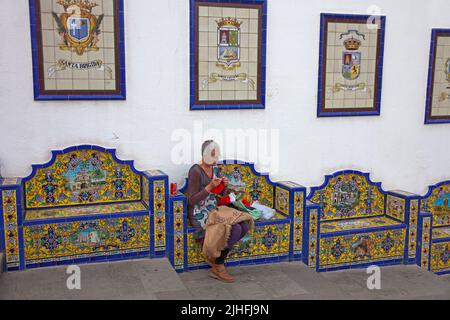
x,y
298,221
282,200
246,183
262,242
78,49
426,241
354,249
228,66
413,228
438,96
396,207
178,235
82,176
63,241
348,195
146,191
351,62
159,212
313,236
437,202
440,257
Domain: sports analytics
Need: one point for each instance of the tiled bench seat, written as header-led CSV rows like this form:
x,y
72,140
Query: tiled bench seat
x,y
350,222
84,205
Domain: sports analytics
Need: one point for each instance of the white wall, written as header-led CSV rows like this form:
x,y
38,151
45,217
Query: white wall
x,y
396,147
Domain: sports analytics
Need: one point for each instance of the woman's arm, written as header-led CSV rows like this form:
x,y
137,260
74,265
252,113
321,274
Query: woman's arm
x,y
195,194
195,191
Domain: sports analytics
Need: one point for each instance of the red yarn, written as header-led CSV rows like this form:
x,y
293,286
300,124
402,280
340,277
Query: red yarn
x,y
219,189
224,201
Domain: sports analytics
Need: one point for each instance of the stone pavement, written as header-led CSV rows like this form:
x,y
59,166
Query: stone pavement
x,y
155,279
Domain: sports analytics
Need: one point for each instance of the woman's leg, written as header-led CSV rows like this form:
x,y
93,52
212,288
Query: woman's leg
x,y
245,228
235,236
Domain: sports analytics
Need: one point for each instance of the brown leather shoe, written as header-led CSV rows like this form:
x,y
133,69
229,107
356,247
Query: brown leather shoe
x,y
220,273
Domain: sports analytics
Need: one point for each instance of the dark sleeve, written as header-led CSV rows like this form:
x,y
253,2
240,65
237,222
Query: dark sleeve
x,y
196,192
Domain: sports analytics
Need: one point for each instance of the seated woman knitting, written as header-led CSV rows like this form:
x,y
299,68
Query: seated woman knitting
x,y
218,227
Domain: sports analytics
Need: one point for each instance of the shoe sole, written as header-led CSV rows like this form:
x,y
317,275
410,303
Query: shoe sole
x,y
212,275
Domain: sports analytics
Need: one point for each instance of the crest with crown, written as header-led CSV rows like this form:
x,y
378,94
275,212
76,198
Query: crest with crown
x,y
84,5
229,22
352,44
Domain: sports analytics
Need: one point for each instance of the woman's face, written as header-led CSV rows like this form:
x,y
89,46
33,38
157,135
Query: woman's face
x,y
211,154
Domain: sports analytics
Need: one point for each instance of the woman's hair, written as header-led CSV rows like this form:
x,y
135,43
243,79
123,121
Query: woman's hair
x,y
206,144
210,152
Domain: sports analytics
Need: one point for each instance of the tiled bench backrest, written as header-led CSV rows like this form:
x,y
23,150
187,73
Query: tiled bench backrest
x,y
348,194
437,202
256,186
82,175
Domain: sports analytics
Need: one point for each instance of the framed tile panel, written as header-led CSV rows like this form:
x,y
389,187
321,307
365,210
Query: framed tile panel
x,y
228,54
350,65
438,91
78,49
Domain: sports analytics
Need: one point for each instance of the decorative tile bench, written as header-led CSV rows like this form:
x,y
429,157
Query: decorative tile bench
x,y
434,236
351,222
274,240
85,205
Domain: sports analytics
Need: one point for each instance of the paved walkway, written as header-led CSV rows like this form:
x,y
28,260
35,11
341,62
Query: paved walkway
x,y
155,279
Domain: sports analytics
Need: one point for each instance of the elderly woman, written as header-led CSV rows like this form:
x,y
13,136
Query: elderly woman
x,y
204,185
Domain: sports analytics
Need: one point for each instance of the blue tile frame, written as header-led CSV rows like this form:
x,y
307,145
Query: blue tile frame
x,y
40,95
197,106
435,33
376,110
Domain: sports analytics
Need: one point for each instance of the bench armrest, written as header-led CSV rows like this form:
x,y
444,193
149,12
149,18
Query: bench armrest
x,y
424,238
311,232
11,218
155,193
290,199
403,206
177,232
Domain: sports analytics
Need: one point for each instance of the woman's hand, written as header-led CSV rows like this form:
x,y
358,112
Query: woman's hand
x,y
225,181
214,183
